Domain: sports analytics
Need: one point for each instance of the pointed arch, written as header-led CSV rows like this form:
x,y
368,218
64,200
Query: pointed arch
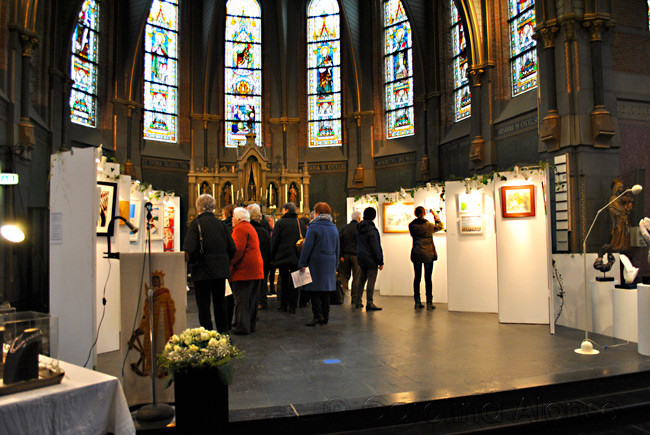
x,y
324,73
84,63
398,71
243,81
160,72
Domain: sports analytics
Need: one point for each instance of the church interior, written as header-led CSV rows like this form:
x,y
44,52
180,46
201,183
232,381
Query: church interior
x,y
345,102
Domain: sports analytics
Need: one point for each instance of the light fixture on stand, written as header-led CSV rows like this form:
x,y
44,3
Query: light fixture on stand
x,y
586,347
12,233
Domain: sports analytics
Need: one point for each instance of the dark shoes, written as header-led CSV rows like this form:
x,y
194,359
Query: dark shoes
x,y
418,305
372,307
358,305
316,321
430,306
284,309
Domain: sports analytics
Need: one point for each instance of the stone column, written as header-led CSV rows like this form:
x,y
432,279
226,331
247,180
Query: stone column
x,y
551,127
477,147
26,138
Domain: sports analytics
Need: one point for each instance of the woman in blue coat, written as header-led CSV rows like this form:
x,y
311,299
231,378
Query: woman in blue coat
x,y
321,254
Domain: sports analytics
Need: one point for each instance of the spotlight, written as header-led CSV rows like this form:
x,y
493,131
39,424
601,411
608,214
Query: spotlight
x,y
12,233
402,192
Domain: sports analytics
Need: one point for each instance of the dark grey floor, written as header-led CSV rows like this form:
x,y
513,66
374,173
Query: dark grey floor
x,y
410,355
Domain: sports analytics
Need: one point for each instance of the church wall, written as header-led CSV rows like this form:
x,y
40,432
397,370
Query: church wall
x,y
329,187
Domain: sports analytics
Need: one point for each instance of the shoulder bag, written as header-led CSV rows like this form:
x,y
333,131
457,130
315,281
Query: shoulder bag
x,y
196,258
301,240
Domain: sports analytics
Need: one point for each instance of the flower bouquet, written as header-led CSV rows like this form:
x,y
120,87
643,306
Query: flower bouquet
x,y
198,348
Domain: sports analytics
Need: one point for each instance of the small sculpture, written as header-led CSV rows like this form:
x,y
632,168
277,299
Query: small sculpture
x,y
630,271
604,262
21,363
644,226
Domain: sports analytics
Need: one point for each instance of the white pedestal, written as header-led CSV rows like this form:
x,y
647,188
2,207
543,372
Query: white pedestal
x,y
601,307
624,303
643,304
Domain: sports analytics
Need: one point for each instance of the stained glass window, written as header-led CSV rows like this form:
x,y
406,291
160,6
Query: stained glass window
x,y
648,14
161,71
243,71
398,67
83,65
324,73
523,60
462,94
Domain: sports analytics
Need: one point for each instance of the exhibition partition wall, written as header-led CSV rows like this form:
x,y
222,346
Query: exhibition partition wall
x,y
471,247
523,247
72,251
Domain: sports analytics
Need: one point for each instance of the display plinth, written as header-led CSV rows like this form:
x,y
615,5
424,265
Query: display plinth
x,y
643,312
601,307
624,304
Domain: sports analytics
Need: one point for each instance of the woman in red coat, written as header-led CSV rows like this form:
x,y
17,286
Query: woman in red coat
x,y
246,271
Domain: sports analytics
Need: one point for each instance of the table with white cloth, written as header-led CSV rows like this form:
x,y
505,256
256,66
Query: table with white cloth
x,y
85,402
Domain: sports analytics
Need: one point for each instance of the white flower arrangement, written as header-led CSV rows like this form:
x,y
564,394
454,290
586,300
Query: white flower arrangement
x,y
199,348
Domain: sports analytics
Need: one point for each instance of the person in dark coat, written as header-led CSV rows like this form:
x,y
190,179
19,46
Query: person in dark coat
x,y
321,254
423,253
211,269
265,248
226,216
370,257
348,265
286,232
246,272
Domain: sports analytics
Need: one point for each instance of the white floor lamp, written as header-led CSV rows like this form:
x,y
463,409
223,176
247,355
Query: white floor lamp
x,y
586,347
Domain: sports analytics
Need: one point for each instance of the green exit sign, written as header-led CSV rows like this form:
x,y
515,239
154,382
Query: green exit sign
x,y
8,178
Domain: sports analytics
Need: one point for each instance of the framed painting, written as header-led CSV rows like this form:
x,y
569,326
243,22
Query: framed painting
x,y
107,206
157,216
471,225
518,201
397,217
135,215
470,204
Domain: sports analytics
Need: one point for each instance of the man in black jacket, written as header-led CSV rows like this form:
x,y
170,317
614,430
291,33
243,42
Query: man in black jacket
x,y
348,262
211,267
286,232
370,257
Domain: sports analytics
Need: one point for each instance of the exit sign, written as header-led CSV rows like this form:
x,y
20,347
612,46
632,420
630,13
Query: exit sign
x,y
8,178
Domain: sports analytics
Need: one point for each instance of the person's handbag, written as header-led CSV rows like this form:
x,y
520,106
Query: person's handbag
x,y
196,258
301,240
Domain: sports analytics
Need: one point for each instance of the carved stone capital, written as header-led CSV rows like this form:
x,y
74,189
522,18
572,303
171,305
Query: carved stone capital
x,y
477,151
547,35
551,130
475,76
602,127
358,177
26,139
29,43
596,26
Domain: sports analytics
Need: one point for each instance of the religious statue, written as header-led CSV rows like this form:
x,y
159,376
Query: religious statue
x,y
619,212
227,194
293,194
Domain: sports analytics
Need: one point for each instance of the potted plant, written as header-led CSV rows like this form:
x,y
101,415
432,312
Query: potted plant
x,y
199,363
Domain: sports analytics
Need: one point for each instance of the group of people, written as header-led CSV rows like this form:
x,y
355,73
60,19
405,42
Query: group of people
x,y
239,251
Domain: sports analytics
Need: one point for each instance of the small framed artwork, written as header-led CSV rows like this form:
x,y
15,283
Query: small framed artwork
x,y
157,216
518,201
471,225
135,214
470,204
397,217
107,206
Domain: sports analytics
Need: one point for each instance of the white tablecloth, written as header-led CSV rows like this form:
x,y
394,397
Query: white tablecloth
x,y
85,402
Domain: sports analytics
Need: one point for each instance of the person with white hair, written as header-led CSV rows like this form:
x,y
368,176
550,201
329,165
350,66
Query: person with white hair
x,y
209,248
264,238
246,271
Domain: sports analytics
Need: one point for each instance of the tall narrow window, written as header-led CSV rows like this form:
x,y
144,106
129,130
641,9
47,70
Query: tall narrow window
x,y
324,73
83,65
398,61
648,14
160,71
523,60
462,95
243,71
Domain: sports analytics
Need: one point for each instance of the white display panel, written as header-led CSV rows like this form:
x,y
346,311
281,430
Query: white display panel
x,y
472,269
523,247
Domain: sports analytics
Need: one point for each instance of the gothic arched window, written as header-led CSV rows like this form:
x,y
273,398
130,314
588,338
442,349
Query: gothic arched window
x,y
462,95
243,71
324,73
523,57
83,65
160,71
398,61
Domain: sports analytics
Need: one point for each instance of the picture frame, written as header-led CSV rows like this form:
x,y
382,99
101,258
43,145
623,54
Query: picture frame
x,y
471,224
157,219
471,204
518,201
397,216
135,217
107,207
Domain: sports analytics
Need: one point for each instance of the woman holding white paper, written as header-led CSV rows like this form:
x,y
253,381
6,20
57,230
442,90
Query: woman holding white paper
x,y
321,254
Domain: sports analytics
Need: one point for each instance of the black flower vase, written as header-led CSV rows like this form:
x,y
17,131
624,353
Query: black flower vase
x,y
201,399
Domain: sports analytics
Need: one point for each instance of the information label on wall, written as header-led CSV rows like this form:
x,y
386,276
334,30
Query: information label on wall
x,y
56,228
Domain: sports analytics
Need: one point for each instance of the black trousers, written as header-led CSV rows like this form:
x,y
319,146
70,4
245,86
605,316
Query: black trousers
x,y
246,294
211,289
320,305
289,296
